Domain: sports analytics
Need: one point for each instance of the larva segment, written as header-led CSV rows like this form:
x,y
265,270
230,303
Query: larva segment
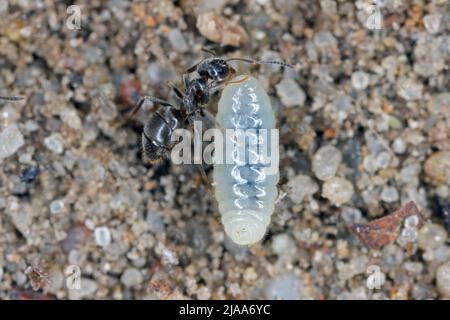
x,y
246,191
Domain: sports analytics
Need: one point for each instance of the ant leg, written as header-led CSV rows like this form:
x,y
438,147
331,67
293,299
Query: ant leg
x,y
144,99
11,98
200,166
211,52
205,178
191,69
177,91
185,80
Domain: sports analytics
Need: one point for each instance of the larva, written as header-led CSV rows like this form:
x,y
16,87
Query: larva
x,y
245,191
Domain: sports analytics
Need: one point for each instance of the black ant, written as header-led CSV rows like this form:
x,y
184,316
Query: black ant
x,y
213,73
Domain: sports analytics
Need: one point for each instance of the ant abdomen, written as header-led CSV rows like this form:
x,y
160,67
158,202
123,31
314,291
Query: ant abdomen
x,y
156,136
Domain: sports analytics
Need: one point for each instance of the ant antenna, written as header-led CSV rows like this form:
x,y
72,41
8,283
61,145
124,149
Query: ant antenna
x,y
211,52
11,98
283,64
144,99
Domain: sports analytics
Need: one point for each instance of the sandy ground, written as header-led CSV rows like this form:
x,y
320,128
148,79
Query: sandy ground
x,y
364,122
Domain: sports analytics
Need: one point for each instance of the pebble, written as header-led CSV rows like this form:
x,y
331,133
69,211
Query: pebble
x,y
410,172
56,206
326,161
284,245
102,236
210,5
370,163
219,29
3,6
440,104
155,222
399,146
131,277
383,159
54,143
411,222
443,279
337,190
158,74
169,257
324,40
360,80
71,118
77,236
240,253
177,40
409,90
351,215
11,139
283,287
300,187
29,174
437,167
389,194
431,236
290,93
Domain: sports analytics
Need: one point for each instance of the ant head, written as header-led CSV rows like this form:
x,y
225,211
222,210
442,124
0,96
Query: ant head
x,y
216,69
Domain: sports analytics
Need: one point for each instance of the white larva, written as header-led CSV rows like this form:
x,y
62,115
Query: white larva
x,y
245,191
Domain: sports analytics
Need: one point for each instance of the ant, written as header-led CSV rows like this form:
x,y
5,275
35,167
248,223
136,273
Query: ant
x,y
213,73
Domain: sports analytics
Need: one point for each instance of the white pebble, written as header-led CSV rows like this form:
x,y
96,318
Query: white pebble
x,y
370,163
399,146
389,194
11,139
411,222
301,186
337,190
283,245
54,143
409,89
290,93
56,206
177,40
131,277
383,159
102,236
326,161
431,236
360,80
3,6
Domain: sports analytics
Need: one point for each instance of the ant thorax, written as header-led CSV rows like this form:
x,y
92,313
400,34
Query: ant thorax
x,y
196,96
215,69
